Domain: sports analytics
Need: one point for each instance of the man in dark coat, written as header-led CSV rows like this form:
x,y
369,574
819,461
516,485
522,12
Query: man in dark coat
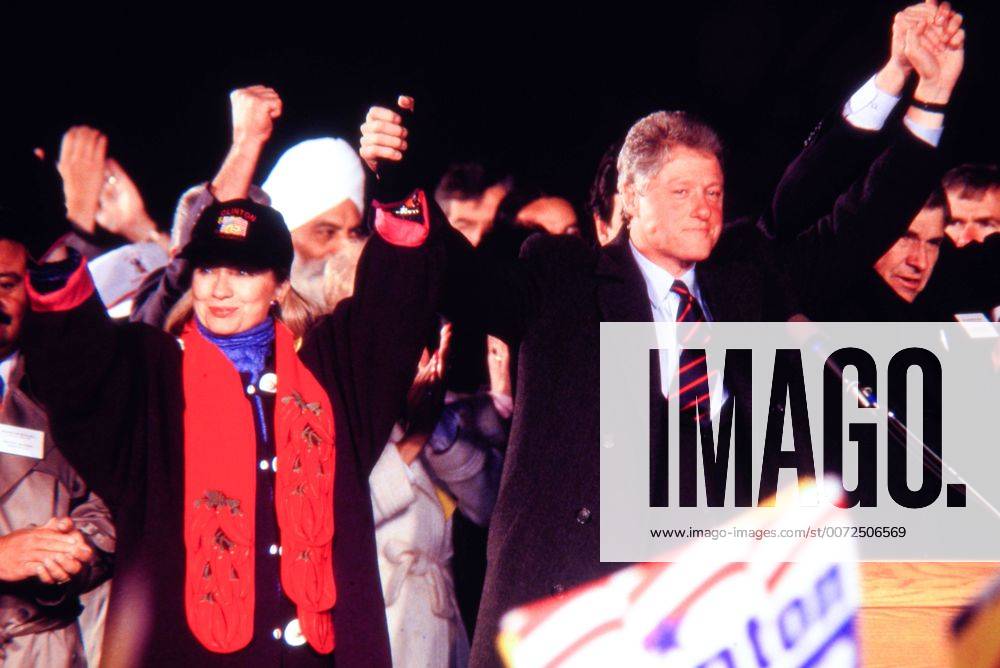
x,y
842,279
545,529
544,532
839,280
544,535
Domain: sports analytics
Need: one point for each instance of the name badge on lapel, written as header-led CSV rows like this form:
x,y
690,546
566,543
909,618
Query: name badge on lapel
x,y
21,441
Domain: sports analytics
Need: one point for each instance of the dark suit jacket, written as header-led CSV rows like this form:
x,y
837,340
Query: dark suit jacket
x,y
544,531
885,177
965,280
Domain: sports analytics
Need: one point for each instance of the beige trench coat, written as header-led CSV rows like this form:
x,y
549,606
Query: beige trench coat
x,y
41,625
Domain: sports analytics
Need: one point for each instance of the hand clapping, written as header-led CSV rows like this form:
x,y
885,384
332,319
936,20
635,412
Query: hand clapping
x,y
53,552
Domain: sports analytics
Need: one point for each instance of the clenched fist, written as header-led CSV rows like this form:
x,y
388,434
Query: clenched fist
x,y
255,109
81,165
53,552
383,136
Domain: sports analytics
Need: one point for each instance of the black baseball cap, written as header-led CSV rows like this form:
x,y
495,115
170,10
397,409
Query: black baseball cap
x,y
242,234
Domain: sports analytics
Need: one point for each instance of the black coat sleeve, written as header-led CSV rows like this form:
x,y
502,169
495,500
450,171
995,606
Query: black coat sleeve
x,y
366,351
160,291
481,292
91,376
964,280
834,156
866,220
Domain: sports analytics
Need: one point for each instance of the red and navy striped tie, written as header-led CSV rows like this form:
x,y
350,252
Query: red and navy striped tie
x,y
693,378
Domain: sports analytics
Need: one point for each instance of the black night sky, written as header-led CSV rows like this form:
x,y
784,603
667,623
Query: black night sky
x,y
537,94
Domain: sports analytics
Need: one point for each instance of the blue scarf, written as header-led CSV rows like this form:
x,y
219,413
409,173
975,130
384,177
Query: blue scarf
x,y
248,352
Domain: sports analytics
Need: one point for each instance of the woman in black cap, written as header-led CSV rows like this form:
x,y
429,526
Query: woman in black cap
x,y
237,469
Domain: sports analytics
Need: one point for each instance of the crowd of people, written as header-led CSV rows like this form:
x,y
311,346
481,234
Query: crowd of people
x,y
305,425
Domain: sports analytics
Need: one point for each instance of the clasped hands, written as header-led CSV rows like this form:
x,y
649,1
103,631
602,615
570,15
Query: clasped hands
x,y
53,552
927,38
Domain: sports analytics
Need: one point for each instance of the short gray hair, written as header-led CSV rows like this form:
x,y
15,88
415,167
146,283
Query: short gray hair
x,y
649,141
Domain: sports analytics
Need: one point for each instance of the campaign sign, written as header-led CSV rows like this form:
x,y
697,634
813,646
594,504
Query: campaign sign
x,y
773,605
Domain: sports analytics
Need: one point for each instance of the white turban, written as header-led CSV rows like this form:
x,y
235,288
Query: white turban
x,y
314,176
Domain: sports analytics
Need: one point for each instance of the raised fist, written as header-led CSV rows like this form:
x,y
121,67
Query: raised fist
x,y
255,109
383,136
81,165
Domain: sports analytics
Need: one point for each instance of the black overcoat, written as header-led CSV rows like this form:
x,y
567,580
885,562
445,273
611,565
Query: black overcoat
x,y
834,272
114,396
544,533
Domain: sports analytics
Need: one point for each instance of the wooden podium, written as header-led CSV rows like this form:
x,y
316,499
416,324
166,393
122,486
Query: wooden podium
x,y
907,610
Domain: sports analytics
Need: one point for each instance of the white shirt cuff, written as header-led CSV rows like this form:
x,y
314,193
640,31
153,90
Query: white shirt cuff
x,y
930,135
869,107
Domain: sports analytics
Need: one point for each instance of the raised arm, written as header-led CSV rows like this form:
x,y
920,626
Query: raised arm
x,y
70,341
254,111
366,351
67,338
843,146
93,377
476,290
73,357
412,268
875,211
99,193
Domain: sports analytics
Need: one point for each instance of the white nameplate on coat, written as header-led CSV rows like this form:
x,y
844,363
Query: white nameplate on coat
x,y
21,441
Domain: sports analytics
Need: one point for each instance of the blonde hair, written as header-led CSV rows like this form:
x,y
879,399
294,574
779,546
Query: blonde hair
x,y
294,310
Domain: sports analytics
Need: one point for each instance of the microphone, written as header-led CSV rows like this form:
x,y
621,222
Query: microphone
x,y
815,340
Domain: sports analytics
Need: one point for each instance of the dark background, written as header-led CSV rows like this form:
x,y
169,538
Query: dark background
x,y
535,93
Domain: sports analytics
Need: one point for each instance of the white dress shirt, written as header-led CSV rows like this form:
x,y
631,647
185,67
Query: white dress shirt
x,y
665,306
870,106
867,109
